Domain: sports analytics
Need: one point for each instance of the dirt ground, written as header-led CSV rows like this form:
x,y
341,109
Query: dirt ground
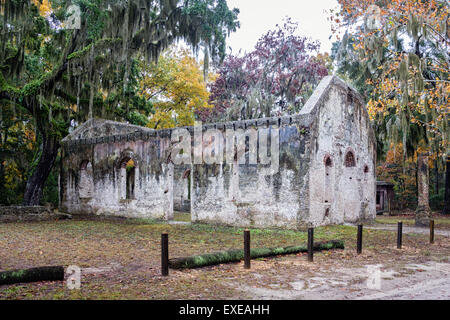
x,y
405,281
120,259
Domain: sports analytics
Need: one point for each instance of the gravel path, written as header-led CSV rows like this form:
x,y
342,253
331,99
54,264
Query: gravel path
x,y
428,281
407,229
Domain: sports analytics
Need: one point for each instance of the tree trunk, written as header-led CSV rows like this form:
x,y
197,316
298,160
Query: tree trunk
x,y
417,180
423,211
3,199
3,196
447,187
436,174
36,182
32,275
237,255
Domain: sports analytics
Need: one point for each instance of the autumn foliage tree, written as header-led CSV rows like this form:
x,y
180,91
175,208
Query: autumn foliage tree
x,y
400,49
405,47
403,175
275,78
17,152
176,88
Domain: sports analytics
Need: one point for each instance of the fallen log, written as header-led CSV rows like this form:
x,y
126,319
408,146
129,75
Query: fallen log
x,y
238,254
32,275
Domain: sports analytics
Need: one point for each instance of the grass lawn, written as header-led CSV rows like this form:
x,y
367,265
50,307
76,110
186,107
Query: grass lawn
x,y
120,258
182,216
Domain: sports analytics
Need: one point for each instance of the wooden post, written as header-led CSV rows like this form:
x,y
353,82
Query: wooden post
x,y
247,249
431,231
164,254
399,235
359,239
310,244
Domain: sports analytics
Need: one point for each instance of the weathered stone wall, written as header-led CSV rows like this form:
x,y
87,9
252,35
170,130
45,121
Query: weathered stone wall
x,y
153,178
340,193
23,210
28,214
245,194
311,186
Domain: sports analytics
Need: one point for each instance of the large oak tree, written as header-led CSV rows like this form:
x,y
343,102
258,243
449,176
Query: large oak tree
x,y
56,74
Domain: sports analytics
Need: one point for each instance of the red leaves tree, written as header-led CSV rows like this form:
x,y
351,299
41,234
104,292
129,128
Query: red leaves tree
x,y
276,78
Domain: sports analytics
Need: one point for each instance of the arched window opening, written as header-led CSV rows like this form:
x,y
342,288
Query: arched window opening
x,y
84,164
86,183
350,159
328,165
328,176
366,169
128,170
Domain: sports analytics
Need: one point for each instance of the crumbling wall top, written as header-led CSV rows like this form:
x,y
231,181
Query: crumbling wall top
x,y
96,131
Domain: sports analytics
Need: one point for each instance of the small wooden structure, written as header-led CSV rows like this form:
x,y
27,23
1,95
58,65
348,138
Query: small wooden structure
x,y
385,196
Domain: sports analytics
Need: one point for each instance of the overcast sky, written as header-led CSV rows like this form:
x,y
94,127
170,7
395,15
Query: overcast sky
x,y
259,16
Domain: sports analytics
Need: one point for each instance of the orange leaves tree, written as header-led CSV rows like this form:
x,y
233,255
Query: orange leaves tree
x,y
176,87
402,174
402,48
399,50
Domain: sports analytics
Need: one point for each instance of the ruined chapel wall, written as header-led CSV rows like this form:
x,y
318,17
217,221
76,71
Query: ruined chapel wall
x,y
159,185
340,193
332,122
153,177
248,195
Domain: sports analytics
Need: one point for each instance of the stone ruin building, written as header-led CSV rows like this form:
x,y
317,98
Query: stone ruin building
x,y
325,169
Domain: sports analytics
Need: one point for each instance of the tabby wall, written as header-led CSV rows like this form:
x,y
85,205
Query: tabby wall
x,y
341,190
284,172
100,187
236,192
254,194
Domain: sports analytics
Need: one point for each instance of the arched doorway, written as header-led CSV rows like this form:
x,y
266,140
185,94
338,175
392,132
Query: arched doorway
x,y
127,178
182,193
349,188
86,181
